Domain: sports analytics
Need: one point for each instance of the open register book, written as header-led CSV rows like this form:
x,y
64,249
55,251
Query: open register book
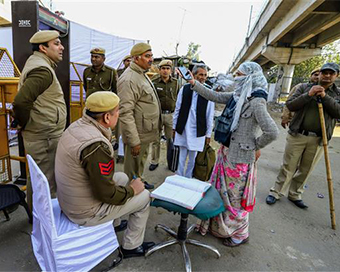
x,y
182,191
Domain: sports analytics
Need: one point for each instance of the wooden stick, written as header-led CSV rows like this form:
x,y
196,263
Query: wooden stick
x,y
328,165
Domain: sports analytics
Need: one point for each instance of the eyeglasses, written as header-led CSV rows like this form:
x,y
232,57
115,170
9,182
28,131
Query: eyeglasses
x,y
165,68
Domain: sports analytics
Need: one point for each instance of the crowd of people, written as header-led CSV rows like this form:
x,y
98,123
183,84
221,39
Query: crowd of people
x,y
79,162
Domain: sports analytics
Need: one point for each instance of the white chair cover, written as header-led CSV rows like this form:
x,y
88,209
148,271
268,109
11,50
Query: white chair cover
x,y
58,244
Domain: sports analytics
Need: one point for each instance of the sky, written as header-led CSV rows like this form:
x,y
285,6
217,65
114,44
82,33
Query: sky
x,y
219,27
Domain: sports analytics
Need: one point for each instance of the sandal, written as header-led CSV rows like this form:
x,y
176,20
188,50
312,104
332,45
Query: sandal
x,y
230,243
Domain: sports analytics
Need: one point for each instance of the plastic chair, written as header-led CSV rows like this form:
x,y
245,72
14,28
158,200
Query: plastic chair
x,y
59,244
11,195
210,206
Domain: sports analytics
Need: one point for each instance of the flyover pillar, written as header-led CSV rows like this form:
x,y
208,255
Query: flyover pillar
x,y
288,72
287,58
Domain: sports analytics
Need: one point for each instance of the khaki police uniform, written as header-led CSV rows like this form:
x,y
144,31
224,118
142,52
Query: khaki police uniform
x,y
117,129
40,109
167,93
121,70
89,191
139,113
104,80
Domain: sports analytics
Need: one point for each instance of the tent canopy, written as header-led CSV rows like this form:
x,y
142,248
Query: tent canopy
x,y
82,40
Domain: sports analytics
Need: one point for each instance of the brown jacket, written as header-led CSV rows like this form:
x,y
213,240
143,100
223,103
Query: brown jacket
x,y
139,107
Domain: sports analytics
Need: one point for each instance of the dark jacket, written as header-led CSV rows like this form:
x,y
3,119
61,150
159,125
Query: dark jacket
x,y
300,99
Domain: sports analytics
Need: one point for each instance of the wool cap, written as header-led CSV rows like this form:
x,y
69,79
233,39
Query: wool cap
x,y
44,36
98,50
139,49
102,101
165,63
330,66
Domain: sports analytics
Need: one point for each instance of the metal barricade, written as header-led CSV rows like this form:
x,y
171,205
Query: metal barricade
x,y
9,79
77,92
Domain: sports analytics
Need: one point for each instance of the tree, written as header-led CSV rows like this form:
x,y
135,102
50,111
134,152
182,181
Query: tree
x,y
329,53
193,52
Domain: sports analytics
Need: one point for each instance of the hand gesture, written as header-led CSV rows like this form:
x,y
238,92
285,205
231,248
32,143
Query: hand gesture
x,y
191,81
284,123
257,154
317,90
135,151
137,186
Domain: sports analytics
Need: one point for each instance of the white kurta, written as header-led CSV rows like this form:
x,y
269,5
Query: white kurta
x,y
188,138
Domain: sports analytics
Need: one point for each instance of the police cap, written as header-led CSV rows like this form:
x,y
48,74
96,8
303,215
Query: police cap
x,y
139,49
102,101
44,36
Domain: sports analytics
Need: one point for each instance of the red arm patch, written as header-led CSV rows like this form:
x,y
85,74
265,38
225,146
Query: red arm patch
x,y
106,168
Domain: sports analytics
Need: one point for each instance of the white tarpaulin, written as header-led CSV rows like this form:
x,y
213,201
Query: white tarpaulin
x,y
82,40
6,39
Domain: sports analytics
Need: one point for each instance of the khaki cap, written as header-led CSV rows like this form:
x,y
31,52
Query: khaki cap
x,y
102,101
139,49
165,63
98,50
126,57
315,70
44,36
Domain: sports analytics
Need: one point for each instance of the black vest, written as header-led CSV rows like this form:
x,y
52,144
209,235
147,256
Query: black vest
x,y
201,112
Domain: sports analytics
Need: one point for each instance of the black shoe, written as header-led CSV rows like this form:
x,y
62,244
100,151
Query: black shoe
x,y
122,226
153,166
300,204
270,200
138,251
148,186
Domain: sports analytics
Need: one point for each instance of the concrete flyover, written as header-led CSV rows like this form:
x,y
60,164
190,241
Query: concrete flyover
x,y
289,32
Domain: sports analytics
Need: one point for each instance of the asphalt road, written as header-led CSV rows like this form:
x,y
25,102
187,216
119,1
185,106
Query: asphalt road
x,y
282,237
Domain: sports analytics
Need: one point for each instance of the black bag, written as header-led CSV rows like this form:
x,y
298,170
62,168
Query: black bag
x,y
223,124
172,155
204,163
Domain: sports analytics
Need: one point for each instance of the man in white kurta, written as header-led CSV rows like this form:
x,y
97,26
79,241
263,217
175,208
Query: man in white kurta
x,y
188,141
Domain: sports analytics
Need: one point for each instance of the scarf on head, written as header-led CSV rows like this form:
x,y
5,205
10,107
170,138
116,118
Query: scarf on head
x,y
253,83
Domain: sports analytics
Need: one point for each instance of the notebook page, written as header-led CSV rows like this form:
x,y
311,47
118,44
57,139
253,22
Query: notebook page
x,y
178,195
189,183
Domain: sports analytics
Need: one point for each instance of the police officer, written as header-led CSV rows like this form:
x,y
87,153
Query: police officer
x,y
167,89
99,77
140,111
90,192
39,107
126,61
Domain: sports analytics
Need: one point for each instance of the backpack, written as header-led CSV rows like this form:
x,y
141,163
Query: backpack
x,y
222,131
204,163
